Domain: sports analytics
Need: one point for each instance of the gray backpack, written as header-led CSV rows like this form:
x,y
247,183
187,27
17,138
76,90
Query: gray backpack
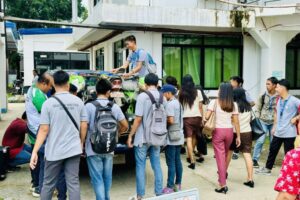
x,y
155,129
104,136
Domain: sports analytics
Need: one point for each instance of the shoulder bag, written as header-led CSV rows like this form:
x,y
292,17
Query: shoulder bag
x,y
210,125
257,129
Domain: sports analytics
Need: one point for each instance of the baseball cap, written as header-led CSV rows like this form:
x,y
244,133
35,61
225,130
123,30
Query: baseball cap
x,y
168,88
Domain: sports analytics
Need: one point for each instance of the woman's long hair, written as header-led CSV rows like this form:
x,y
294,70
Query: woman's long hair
x,y
226,97
188,92
239,96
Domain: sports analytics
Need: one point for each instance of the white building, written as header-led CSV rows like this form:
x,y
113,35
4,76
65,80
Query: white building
x,y
208,39
45,49
8,42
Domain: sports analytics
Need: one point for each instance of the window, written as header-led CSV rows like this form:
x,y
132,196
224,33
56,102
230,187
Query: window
x,y
100,59
44,61
292,66
208,59
96,2
120,53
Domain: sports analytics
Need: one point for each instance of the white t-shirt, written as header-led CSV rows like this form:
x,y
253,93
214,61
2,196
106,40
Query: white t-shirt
x,y
194,110
245,119
223,119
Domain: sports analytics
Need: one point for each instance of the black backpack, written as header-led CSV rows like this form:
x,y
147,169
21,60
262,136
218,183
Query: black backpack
x,y
104,136
4,159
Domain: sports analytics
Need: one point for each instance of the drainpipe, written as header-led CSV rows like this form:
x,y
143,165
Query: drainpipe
x,y
74,11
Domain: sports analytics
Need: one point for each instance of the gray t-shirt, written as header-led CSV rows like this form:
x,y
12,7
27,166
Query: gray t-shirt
x,y
142,109
140,55
63,140
174,109
91,111
286,110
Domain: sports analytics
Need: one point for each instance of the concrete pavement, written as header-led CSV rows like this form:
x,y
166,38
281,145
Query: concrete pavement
x,y
16,186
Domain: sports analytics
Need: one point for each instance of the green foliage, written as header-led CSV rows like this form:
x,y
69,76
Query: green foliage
x,y
54,10
14,60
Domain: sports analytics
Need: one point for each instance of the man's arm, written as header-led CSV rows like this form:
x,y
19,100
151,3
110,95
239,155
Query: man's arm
x,y
124,66
83,131
123,126
275,123
137,122
170,120
41,137
135,70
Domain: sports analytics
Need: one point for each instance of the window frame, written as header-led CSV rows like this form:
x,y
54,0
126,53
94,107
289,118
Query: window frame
x,y
51,59
101,54
295,50
202,48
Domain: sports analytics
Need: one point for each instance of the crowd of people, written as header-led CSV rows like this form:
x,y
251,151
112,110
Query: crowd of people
x,y
61,128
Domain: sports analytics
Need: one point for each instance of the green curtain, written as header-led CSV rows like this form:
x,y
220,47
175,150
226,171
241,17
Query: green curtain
x,y
172,62
290,57
191,63
212,70
231,63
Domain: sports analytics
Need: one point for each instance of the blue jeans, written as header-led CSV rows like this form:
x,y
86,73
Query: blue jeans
x,y
100,169
140,154
260,142
174,165
22,158
61,182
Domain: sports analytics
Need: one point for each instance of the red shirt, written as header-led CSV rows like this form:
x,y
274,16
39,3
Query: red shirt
x,y
289,178
14,137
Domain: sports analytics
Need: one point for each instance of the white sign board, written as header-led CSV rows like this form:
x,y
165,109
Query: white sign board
x,y
192,194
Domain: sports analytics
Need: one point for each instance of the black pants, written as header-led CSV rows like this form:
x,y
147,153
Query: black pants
x,y
275,147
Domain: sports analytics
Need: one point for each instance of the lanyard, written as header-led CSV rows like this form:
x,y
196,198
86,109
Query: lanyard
x,y
283,106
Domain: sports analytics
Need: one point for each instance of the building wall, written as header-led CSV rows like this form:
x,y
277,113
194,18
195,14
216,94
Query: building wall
x,y
251,67
47,43
152,42
3,99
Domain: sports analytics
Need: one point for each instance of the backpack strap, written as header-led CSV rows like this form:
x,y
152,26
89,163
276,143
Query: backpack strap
x,y
262,101
67,111
99,106
110,104
153,101
161,98
96,104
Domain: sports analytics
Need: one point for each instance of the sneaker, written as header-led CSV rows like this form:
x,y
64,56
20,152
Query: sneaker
x,y
32,188
167,190
135,197
235,156
192,166
36,193
177,188
263,171
255,164
200,160
182,150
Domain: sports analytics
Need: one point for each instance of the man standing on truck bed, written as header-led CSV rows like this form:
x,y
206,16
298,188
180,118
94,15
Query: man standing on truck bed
x,y
138,61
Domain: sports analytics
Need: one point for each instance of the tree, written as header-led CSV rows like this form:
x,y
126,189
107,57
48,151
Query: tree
x,y
54,10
